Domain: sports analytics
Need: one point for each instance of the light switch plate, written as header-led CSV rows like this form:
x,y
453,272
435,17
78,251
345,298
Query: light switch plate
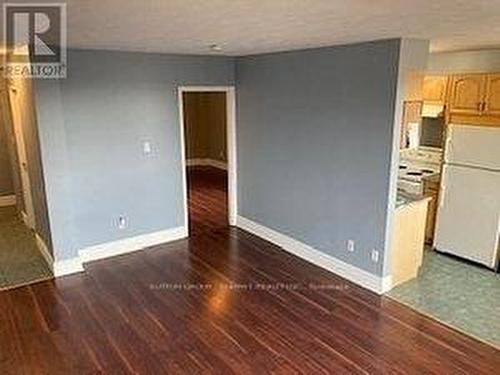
x,y
146,148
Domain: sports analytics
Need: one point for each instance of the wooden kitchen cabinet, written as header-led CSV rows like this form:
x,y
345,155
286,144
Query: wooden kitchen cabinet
x,y
492,95
431,190
467,93
435,89
475,99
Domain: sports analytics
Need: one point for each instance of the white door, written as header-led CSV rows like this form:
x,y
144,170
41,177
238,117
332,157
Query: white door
x,y
473,146
468,220
18,123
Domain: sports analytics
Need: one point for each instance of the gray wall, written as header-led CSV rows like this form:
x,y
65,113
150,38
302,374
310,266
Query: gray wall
x,y
92,126
315,143
465,61
6,182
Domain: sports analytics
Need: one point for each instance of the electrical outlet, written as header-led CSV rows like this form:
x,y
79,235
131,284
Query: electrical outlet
x,y
350,245
375,256
122,222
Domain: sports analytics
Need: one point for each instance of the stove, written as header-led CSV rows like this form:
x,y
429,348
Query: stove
x,y
422,154
416,164
416,173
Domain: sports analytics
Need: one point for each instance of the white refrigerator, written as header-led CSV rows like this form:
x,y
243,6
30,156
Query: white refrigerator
x,y
468,217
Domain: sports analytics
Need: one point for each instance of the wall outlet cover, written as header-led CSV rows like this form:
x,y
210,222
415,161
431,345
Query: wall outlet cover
x,y
350,245
122,222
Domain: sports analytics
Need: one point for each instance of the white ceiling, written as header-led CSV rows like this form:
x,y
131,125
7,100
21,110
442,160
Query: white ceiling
x,y
254,26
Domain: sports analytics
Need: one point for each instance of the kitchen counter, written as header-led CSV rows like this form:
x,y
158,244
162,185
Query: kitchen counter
x,y
408,236
404,199
416,166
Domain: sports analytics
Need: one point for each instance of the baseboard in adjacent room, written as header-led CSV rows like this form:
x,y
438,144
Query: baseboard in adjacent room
x,y
206,162
7,200
25,219
357,275
44,250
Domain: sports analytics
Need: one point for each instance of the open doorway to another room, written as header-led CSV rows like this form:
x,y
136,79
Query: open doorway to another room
x,y
25,239
208,148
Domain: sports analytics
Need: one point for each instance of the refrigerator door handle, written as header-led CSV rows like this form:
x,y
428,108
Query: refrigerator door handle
x,y
447,147
441,195
496,259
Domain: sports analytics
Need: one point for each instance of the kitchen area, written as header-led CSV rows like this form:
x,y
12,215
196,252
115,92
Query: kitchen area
x,y
446,241
419,177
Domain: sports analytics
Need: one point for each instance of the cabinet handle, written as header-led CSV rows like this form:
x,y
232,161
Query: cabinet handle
x,y
485,106
480,106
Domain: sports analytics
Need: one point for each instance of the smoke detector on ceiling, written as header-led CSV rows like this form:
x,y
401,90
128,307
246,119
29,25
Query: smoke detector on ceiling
x,y
215,47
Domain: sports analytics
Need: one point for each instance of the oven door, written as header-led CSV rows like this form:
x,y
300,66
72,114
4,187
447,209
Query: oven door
x,y
410,187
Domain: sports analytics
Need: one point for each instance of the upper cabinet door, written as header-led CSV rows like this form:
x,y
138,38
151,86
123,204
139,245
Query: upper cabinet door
x,y
492,96
467,94
435,89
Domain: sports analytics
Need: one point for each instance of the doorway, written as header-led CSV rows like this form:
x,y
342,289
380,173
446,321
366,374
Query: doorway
x,y
25,239
27,211
207,120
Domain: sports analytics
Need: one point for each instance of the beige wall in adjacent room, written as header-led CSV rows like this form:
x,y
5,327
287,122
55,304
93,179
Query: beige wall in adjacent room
x,y
9,143
6,182
205,125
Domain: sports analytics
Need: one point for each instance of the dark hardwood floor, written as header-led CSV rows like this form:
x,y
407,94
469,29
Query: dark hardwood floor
x,y
221,302
207,197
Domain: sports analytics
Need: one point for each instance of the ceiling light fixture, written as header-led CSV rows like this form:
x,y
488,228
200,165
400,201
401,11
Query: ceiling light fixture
x,y
215,47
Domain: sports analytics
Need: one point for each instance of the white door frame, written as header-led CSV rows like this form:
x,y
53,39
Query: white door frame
x,y
22,157
231,147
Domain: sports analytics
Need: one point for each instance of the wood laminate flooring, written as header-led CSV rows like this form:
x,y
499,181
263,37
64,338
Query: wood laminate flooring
x,y
221,302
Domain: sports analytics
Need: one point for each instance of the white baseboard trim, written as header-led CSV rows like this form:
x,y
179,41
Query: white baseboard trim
x,y
44,250
7,200
207,163
67,267
386,284
114,248
358,276
128,245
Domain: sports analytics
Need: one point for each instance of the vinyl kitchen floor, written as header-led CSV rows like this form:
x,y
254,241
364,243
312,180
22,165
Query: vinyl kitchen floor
x,y
459,294
20,260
